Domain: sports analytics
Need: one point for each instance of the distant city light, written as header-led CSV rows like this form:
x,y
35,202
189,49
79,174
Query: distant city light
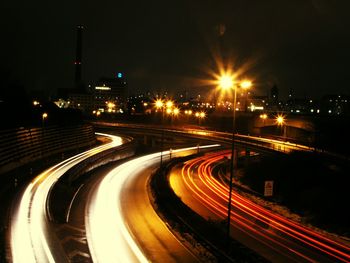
x,y
102,88
110,105
246,84
254,108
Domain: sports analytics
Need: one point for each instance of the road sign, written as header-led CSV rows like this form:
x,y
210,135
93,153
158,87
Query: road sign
x,y
268,190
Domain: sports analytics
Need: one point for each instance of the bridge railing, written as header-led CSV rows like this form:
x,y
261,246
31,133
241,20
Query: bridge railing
x,y
261,142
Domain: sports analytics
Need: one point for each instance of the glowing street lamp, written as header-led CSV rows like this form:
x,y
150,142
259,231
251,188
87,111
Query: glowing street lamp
x,y
246,84
159,104
200,115
263,116
169,104
111,105
176,111
227,82
281,121
44,116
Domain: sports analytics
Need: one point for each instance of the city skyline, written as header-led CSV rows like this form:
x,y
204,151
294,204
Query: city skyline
x,y
159,47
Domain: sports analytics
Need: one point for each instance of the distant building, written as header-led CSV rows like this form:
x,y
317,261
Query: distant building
x,y
273,103
109,94
301,106
274,93
335,105
111,90
75,98
257,103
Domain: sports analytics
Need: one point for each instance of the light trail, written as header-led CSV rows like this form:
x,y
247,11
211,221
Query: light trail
x,y
108,235
30,229
247,215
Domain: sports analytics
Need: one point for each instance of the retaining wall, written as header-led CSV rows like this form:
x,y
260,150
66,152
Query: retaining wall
x,y
23,145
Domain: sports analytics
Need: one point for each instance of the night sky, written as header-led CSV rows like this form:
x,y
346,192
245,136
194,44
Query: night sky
x,y
303,45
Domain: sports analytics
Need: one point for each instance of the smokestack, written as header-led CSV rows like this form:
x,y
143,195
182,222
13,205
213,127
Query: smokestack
x,y
78,56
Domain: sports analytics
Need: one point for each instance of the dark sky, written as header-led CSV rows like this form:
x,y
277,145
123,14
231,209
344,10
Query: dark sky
x,y
302,45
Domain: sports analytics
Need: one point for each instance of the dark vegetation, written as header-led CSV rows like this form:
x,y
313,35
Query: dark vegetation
x,y
310,184
28,115
17,110
332,134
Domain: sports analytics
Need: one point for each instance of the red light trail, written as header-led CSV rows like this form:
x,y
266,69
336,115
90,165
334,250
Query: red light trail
x,y
250,217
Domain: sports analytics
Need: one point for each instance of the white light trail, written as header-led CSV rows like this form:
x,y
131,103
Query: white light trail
x,y
108,235
30,237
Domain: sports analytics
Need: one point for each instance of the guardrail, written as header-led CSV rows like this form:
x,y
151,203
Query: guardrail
x,y
65,189
23,145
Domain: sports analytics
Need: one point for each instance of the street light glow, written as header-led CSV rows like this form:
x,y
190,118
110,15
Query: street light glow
x,y
246,84
280,120
44,115
159,103
226,81
176,111
110,105
169,104
263,116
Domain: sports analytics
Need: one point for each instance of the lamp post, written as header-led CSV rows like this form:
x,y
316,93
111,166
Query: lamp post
x,y
43,118
281,121
263,117
226,82
159,104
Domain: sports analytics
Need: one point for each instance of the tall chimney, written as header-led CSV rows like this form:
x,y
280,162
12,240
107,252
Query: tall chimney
x,y
78,56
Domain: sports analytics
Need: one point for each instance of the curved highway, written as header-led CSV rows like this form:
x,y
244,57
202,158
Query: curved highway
x,y
30,231
271,235
121,224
